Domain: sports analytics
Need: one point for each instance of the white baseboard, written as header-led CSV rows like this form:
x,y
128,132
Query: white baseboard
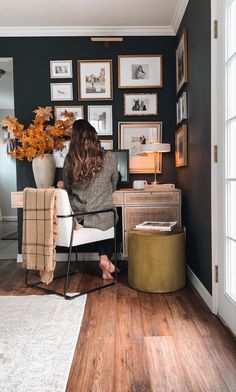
x,y
202,291
83,256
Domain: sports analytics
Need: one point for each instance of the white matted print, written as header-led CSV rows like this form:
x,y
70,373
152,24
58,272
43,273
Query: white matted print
x,y
59,156
140,104
140,71
131,136
61,69
95,79
61,92
107,144
59,111
100,117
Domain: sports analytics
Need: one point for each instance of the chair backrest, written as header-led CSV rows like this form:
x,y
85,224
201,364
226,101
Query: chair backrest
x,y
64,224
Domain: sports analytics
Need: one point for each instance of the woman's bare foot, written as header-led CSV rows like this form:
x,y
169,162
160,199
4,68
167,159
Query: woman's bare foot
x,y
107,267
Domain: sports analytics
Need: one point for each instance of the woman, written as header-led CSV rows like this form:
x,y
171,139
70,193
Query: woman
x,y
90,177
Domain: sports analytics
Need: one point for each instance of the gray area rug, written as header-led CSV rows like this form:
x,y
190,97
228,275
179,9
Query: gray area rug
x,y
38,335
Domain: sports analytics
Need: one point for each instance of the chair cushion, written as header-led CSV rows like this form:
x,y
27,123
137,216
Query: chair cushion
x,y
81,236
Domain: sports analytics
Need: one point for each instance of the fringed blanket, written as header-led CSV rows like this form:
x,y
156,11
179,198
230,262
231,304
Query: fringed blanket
x,y
39,231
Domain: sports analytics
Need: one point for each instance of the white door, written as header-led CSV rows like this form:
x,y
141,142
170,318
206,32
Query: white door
x,y
225,240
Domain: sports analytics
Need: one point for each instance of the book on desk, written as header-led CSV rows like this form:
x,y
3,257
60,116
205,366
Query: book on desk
x,y
159,226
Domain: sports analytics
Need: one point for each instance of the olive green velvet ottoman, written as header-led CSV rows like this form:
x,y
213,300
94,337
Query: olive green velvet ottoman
x,y
156,260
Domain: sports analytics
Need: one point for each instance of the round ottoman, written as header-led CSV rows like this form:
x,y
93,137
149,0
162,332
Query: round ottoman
x,y
156,260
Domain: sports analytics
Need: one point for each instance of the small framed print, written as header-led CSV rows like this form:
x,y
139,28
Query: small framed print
x,y
181,146
181,108
100,117
140,71
184,106
140,104
59,111
182,61
107,144
61,92
61,69
95,80
131,135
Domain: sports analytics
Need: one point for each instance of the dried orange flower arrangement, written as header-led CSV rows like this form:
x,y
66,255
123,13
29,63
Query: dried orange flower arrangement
x,y
40,137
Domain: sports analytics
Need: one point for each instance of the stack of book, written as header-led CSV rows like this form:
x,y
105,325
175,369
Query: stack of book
x,y
159,226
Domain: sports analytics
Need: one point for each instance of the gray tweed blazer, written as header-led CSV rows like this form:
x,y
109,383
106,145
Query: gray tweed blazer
x,y
97,195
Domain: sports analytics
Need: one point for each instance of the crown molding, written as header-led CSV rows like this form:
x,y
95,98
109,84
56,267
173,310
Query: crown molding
x,y
178,15
73,31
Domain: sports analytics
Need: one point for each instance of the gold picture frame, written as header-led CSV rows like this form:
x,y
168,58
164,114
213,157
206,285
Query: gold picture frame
x,y
131,135
141,104
181,158
182,61
95,81
140,71
106,144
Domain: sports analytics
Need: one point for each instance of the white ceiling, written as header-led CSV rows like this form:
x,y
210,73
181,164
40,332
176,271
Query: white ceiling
x,y
90,17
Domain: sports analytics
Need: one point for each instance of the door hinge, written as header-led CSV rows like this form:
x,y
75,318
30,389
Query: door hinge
x,y
216,274
215,153
215,29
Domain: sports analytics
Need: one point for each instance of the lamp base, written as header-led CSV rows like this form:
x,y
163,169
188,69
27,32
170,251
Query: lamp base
x,y
154,183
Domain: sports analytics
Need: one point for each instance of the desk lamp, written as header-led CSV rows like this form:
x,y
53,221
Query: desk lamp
x,y
155,148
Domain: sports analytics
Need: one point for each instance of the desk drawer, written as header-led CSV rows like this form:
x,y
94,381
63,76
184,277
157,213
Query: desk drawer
x,y
117,198
146,198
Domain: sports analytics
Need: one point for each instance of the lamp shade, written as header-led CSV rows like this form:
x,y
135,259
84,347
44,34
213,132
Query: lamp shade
x,y
155,147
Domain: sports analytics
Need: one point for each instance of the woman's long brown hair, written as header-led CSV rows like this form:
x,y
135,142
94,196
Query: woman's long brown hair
x,y
85,156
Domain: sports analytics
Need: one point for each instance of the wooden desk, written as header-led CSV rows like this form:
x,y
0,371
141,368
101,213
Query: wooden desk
x,y
137,206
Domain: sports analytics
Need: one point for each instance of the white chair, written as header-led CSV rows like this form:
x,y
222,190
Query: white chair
x,y
69,237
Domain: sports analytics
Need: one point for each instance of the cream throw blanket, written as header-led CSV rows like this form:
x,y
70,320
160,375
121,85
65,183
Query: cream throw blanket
x,y
39,231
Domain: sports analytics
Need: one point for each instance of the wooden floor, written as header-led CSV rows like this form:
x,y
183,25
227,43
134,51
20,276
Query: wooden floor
x,y
138,342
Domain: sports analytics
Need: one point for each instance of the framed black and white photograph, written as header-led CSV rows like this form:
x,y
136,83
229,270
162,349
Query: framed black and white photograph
x,y
140,104
140,71
95,80
61,69
101,118
181,108
61,92
107,144
131,136
59,111
181,146
182,61
184,106
178,111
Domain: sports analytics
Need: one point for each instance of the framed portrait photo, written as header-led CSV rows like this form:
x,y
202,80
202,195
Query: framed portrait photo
x,y
181,108
61,69
61,92
107,144
131,135
59,111
140,104
182,61
101,118
181,146
184,106
140,71
95,80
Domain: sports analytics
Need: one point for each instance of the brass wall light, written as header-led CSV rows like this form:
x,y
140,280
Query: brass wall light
x,y
107,40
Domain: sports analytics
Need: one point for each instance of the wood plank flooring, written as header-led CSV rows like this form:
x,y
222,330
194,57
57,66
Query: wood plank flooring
x,y
132,341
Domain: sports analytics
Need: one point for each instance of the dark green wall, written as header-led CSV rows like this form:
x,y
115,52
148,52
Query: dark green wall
x,y
195,179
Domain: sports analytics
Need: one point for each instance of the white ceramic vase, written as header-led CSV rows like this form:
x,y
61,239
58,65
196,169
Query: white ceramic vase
x,y
44,169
